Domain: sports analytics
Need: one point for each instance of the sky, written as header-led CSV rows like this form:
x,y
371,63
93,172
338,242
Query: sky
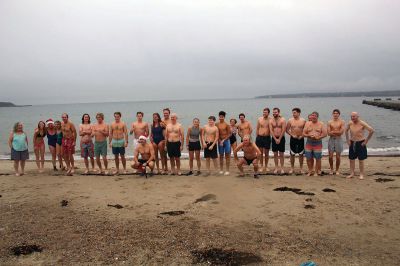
x,y
56,51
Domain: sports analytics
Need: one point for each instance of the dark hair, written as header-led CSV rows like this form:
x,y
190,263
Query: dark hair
x,y
140,113
44,128
15,127
65,114
211,117
118,113
233,120
241,114
83,116
100,114
296,109
167,109
159,119
315,113
267,109
222,113
276,108
336,111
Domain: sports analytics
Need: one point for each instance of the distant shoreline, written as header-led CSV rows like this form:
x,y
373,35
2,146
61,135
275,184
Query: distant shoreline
x,y
391,93
10,104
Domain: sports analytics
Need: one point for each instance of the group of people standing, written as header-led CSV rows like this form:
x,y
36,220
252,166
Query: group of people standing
x,y
218,139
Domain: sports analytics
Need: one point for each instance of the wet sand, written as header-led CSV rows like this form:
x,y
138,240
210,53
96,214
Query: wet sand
x,y
129,219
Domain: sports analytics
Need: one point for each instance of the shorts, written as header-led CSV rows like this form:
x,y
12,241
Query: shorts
x,y
296,146
335,144
357,151
100,148
249,161
225,148
19,155
278,147
118,146
313,149
210,154
194,146
174,149
232,139
263,142
67,146
87,150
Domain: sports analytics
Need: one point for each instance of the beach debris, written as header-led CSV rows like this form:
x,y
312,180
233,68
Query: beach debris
x,y
381,180
386,174
388,188
309,206
328,190
117,206
216,256
172,213
1,196
294,190
308,263
206,197
25,249
64,203
309,199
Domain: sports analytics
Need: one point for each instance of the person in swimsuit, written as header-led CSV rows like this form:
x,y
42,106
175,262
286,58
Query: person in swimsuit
x,y
139,128
51,134
38,144
57,126
357,143
118,141
224,144
193,143
244,127
157,139
167,119
315,131
263,139
294,129
277,127
100,132
251,155
335,129
147,154
68,143
174,134
87,146
18,143
232,138
210,137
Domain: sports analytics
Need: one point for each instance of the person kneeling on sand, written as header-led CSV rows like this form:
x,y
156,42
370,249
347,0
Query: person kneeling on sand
x,y
146,152
251,155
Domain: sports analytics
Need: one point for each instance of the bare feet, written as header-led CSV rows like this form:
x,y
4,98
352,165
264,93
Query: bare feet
x,y
350,176
310,173
361,177
116,172
241,175
291,171
276,171
331,172
86,172
17,174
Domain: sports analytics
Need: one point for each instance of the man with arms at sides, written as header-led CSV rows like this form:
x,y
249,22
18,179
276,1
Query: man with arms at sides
x,y
210,141
139,128
100,133
87,147
244,126
263,139
118,141
335,130
174,134
68,143
294,129
166,117
357,142
277,127
315,131
224,144
251,154
146,152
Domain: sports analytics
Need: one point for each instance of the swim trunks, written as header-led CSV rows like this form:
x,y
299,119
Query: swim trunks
x,y
87,149
296,146
194,146
249,161
278,147
335,144
263,142
118,146
225,148
19,155
100,148
210,153
313,149
357,151
68,145
174,149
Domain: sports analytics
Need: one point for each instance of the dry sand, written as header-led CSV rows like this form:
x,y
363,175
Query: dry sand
x,y
238,220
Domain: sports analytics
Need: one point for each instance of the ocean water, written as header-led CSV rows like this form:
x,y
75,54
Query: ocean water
x,y
386,139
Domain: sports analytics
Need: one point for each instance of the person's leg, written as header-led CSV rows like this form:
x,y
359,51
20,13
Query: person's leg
x,y
191,158
22,162
53,156
361,165
198,159
163,156
16,166
37,157
331,162
208,166
151,166
59,155
227,162
337,172
105,161
260,158
282,161
317,167
310,165
72,162
67,160
116,158
240,166
352,168
301,160
215,161
292,158
123,160
172,161
98,161
86,160
234,145
221,159
266,160
276,162
255,165
155,147
178,165
42,151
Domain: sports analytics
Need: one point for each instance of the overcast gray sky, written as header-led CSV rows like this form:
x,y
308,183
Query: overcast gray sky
x,y
111,50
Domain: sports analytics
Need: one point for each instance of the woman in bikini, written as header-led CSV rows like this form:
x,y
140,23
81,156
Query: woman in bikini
x,y
38,144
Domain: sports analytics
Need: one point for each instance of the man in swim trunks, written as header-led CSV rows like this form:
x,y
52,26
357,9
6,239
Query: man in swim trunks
x,y
100,134
210,136
244,127
224,144
277,127
294,129
251,155
174,134
139,128
146,152
335,129
263,139
315,131
68,143
357,142
167,119
118,140
87,147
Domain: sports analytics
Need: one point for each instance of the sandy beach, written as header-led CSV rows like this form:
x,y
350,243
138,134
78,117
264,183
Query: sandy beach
x,y
217,219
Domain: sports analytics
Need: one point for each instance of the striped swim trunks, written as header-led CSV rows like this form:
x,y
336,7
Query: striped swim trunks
x,y
313,149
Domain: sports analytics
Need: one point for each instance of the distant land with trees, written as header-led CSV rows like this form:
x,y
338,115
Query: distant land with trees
x,y
10,104
334,94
